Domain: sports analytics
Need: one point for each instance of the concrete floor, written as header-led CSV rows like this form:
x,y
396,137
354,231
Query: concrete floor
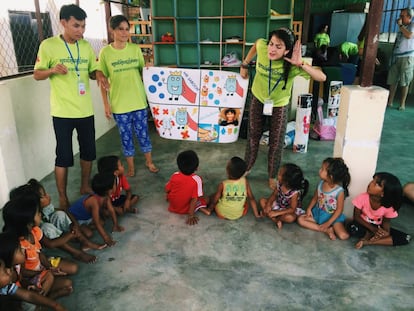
x,y
160,263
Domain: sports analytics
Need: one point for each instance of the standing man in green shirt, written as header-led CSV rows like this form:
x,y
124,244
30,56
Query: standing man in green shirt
x,y
69,61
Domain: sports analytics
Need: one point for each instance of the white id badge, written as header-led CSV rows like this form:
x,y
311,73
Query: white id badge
x,y
268,107
81,88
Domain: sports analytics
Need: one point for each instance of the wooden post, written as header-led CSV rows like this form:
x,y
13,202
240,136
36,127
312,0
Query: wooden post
x,y
306,21
107,16
371,43
39,22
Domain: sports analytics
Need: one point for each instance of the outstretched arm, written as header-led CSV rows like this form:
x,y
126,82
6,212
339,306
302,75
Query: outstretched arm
x,y
191,218
59,241
312,204
111,210
105,99
252,201
36,299
94,208
216,197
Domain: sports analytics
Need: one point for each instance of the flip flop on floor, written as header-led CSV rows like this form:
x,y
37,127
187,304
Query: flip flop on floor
x,y
152,168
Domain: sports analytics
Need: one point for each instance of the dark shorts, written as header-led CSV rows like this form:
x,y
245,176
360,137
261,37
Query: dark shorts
x,y
121,200
85,128
398,237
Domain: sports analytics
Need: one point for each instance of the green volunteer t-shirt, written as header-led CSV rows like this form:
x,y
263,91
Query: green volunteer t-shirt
x,y
260,86
123,69
70,96
321,39
349,49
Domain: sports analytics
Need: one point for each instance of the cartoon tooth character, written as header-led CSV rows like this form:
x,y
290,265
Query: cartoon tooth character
x,y
167,124
175,85
231,85
181,118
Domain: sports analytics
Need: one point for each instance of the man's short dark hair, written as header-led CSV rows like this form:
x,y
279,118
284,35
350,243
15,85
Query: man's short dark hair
x,y
66,11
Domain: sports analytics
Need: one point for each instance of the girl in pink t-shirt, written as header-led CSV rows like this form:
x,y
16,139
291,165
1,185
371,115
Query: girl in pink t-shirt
x,y
373,211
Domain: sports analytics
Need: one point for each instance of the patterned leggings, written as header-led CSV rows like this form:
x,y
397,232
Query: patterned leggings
x,y
277,131
127,122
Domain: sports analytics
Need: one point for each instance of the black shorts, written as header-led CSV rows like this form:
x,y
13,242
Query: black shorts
x,y
85,128
121,200
398,237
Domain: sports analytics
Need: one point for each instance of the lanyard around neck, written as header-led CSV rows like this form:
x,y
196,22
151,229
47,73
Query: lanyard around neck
x,y
71,57
270,90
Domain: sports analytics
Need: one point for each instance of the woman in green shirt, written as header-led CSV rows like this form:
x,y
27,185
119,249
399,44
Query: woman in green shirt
x,y
322,37
279,61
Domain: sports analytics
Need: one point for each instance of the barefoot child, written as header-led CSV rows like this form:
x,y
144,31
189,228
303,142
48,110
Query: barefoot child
x,y
325,210
285,202
56,223
373,211
11,259
233,195
123,203
90,209
22,217
184,190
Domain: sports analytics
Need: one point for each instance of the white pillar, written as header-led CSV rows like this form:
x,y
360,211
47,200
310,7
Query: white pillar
x,y
358,134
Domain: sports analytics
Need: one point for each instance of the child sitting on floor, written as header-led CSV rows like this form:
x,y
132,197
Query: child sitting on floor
x,y
90,209
325,210
11,259
373,211
184,190
121,202
285,202
56,222
233,195
22,217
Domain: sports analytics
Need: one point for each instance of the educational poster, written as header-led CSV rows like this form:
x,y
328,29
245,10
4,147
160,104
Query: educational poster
x,y
302,124
198,105
334,98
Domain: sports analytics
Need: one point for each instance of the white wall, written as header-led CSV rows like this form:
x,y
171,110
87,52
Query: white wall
x,y
27,142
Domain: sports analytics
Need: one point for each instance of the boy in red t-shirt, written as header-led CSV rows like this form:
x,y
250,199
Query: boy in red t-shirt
x,y
185,189
122,202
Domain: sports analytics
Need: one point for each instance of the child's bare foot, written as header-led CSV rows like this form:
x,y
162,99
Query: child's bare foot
x,y
152,168
205,211
331,234
86,258
279,224
131,171
360,244
87,245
